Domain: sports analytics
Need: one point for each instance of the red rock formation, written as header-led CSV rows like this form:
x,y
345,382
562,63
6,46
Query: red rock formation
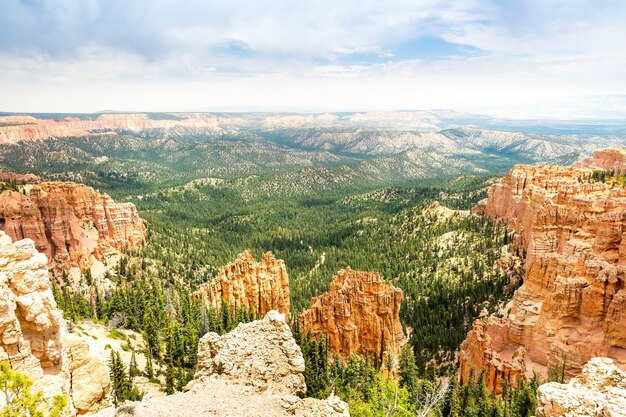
x,y
70,222
572,305
246,283
14,129
605,159
359,314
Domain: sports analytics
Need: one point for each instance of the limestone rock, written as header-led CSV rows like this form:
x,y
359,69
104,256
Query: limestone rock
x,y
31,329
257,286
70,223
272,360
255,370
90,377
599,392
359,314
30,323
572,303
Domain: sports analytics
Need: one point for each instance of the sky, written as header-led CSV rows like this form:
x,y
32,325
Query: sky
x,y
508,58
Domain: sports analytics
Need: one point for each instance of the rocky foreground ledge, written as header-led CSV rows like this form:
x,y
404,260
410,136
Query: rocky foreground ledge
x,y
599,392
255,370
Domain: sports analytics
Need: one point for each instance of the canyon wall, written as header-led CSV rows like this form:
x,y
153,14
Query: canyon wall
x,y
14,129
248,284
572,305
70,223
360,314
32,335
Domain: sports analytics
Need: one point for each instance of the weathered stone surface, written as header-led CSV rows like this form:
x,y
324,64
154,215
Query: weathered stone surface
x,y
256,286
31,329
90,380
572,304
70,223
486,347
255,370
599,392
30,324
263,354
360,314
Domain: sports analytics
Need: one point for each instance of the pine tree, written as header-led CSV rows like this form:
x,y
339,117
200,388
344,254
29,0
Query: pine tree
x,y
170,379
407,370
120,384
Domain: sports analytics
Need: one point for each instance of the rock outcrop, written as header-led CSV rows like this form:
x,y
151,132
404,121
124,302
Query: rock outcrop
x,y
90,380
255,370
572,305
70,223
360,314
599,392
30,324
245,283
31,329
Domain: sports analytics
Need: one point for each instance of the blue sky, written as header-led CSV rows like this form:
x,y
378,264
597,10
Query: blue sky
x,y
510,58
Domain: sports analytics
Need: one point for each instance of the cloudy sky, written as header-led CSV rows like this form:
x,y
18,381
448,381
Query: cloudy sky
x,y
549,58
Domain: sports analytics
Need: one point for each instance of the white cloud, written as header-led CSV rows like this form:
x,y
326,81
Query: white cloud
x,y
75,55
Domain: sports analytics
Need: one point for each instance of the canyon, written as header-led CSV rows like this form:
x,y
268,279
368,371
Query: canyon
x,y
359,314
72,224
571,305
258,287
33,338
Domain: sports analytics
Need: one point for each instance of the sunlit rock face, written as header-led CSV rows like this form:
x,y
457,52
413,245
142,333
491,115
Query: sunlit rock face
x,y
71,224
359,314
599,392
572,305
247,284
32,337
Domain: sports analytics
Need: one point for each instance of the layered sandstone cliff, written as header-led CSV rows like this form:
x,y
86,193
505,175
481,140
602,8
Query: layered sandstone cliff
x,y
360,314
572,305
255,370
599,392
31,331
610,159
15,129
70,223
247,284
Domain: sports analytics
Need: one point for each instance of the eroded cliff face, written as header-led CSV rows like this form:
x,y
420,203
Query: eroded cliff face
x,y
255,370
248,284
14,129
599,392
572,305
70,223
360,314
31,331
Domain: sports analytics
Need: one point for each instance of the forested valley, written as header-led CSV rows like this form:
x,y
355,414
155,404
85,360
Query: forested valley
x,y
421,239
